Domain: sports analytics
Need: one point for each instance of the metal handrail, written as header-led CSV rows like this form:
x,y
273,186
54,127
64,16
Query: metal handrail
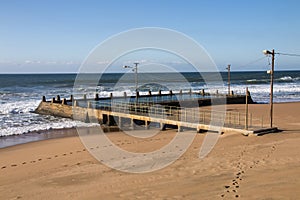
x,y
192,115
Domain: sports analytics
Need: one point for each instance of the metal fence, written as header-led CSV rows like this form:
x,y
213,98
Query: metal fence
x,y
192,115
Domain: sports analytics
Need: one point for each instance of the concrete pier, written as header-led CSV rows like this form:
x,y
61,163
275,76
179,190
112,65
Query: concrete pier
x,y
164,111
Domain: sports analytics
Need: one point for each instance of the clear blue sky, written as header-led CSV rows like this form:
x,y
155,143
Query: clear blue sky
x,y
56,35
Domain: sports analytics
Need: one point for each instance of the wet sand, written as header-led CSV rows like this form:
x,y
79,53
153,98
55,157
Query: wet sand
x,y
239,167
34,136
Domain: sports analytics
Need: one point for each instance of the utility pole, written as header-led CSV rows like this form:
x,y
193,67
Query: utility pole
x,y
247,109
228,68
135,69
136,76
272,53
271,89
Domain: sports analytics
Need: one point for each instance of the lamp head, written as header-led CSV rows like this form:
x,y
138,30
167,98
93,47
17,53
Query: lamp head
x,y
266,52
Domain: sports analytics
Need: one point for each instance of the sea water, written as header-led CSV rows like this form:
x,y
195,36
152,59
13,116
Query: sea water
x,y
20,94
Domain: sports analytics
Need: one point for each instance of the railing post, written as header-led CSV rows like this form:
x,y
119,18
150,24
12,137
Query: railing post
x,y
57,98
202,92
233,119
64,101
246,120
193,115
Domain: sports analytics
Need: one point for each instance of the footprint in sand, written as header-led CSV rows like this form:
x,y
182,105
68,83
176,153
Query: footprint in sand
x,y
40,159
13,165
3,167
49,158
56,156
23,163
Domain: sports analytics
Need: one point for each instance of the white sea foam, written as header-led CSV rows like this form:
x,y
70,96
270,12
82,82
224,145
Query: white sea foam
x,y
18,118
286,78
58,124
18,107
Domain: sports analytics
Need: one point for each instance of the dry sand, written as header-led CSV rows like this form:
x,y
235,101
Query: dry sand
x,y
239,167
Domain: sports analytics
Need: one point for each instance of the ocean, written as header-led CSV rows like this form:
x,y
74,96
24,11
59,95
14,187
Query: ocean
x,y
20,94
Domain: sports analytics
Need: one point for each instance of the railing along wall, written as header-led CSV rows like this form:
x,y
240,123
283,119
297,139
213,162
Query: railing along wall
x,y
192,115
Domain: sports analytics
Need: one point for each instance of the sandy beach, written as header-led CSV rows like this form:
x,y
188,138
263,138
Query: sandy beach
x,y
239,167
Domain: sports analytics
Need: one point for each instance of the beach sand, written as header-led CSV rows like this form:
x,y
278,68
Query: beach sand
x,y
239,167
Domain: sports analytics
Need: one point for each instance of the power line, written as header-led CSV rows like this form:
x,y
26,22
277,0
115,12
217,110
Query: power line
x,y
289,54
254,61
259,59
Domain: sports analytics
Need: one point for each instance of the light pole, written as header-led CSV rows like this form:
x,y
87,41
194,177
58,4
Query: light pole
x,y
135,69
272,53
228,68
